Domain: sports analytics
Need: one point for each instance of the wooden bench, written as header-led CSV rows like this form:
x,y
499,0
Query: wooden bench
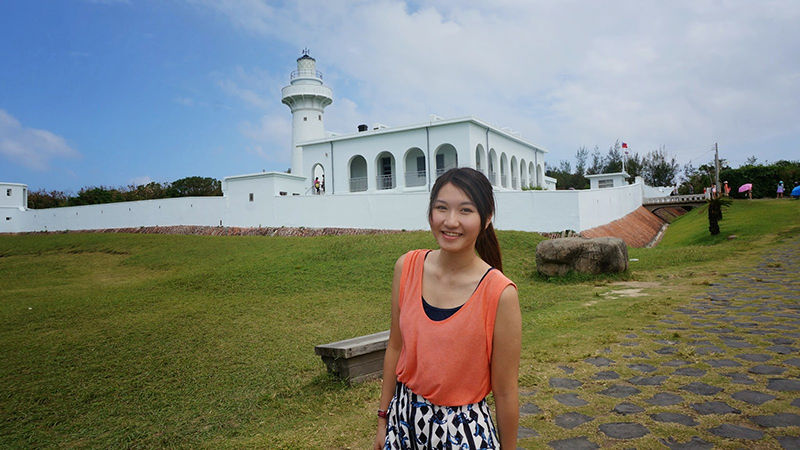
x,y
357,359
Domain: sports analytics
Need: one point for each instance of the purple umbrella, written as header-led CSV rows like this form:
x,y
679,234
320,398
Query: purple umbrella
x,y
746,187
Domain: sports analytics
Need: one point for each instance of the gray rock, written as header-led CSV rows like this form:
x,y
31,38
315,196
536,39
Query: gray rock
x,y
570,400
599,362
766,369
555,257
689,372
723,363
664,399
525,433
648,381
626,408
793,362
714,408
752,397
754,357
646,368
708,350
624,430
736,432
567,369
782,349
796,402
528,409
739,378
738,344
578,443
667,351
777,420
783,385
781,340
565,383
701,388
606,375
571,420
669,417
789,442
619,391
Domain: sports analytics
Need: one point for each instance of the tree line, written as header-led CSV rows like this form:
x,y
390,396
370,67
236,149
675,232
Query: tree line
x,y
656,167
93,195
764,177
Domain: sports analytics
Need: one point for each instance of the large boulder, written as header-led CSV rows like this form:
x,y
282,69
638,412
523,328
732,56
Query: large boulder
x,y
591,256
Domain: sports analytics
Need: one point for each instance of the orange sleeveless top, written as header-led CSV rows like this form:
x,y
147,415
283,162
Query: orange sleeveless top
x,y
447,362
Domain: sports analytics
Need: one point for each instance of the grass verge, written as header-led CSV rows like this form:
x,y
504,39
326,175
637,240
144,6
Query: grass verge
x,y
140,341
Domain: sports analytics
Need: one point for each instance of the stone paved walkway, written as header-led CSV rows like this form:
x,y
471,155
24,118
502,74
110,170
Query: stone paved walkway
x,y
722,372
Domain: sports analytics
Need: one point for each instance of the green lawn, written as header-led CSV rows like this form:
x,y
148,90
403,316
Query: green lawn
x,y
141,341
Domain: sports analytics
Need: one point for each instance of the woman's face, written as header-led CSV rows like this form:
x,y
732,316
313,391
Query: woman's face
x,y
455,221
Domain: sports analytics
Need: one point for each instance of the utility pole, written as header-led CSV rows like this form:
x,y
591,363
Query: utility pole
x,y
716,167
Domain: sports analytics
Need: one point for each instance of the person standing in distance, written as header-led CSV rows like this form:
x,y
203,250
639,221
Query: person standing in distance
x,y
456,331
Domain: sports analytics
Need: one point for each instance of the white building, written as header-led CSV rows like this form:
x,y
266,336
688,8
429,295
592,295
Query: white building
x,y
373,178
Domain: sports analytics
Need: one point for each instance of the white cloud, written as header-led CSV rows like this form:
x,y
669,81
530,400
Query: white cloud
x,y
30,147
271,137
684,74
140,181
185,101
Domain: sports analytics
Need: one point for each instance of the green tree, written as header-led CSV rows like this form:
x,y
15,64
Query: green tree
x,y
96,195
634,166
597,165
659,169
580,160
612,163
195,187
41,199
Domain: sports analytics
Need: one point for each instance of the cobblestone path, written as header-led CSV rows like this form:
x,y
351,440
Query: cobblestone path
x,y
722,372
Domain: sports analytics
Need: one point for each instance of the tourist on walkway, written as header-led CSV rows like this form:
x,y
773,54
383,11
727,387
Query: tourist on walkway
x,y
455,333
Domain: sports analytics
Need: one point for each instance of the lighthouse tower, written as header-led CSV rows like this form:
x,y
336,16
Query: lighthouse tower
x,y
307,97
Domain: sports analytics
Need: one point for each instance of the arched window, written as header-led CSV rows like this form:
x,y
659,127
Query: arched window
x,y
385,169
539,175
318,173
503,170
446,158
493,167
523,175
514,171
358,174
480,159
416,168
534,181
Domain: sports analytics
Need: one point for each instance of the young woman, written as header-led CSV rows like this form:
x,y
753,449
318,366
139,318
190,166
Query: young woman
x,y
455,333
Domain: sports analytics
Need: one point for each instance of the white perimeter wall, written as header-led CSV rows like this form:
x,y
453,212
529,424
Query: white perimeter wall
x,y
516,210
208,211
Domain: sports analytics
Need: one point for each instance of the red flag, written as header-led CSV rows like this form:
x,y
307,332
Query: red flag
x,y
624,145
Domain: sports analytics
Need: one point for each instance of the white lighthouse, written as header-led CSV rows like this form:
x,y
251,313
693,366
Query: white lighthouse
x,y
307,97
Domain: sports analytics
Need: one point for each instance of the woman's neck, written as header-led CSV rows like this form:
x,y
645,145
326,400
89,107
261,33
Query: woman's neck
x,y
450,262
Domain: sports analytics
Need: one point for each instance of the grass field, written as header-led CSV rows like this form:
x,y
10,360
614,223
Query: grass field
x,y
143,341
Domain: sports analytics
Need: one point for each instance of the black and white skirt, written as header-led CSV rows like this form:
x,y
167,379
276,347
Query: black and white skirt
x,y
415,423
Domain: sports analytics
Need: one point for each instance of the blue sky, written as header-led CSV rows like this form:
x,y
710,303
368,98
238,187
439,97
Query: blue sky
x,y
114,92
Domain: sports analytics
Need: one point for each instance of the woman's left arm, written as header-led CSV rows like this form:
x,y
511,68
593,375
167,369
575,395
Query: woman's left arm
x,y
506,347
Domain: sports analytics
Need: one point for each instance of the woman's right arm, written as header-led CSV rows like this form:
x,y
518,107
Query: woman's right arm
x,y
392,355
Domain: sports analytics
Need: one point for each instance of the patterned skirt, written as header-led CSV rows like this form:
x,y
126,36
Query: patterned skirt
x,y
415,423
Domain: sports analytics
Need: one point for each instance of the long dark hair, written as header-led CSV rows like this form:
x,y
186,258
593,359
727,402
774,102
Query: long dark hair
x,y
479,190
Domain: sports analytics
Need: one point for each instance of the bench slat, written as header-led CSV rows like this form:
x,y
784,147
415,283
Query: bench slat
x,y
349,348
